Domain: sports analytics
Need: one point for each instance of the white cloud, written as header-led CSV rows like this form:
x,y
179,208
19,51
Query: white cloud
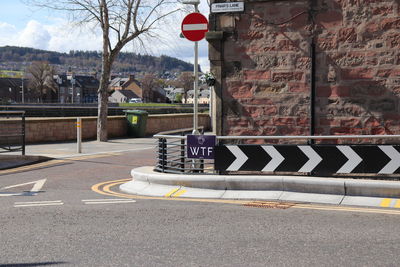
x,y
59,35
7,33
34,35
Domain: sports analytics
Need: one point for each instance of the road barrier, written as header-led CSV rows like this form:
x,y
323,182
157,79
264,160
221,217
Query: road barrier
x,y
311,159
12,131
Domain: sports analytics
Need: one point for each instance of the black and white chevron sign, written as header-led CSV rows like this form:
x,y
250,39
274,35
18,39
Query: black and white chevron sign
x,y
319,159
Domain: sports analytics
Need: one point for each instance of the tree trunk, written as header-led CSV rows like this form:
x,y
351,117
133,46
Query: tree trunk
x,y
102,134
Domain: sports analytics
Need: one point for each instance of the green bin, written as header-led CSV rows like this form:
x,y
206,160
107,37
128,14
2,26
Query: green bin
x,y
137,120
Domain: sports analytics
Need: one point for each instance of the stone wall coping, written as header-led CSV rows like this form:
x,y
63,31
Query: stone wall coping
x,y
95,117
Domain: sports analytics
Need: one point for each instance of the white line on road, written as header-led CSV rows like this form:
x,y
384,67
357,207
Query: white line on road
x,y
107,201
37,186
38,203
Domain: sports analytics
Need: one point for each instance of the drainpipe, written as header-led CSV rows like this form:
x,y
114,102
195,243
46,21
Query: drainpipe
x,y
311,13
313,89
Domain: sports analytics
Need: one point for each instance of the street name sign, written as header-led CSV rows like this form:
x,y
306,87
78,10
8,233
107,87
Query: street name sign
x,y
227,7
200,146
194,27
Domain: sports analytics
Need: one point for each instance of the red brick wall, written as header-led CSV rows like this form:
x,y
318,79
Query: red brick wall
x,y
266,77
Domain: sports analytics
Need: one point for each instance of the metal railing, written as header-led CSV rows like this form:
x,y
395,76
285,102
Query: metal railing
x,y
172,156
12,131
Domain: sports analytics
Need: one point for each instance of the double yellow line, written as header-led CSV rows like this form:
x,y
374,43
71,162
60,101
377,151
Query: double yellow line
x,y
104,188
57,161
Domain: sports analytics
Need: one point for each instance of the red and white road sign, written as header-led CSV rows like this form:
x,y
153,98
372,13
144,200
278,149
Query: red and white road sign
x,y
194,27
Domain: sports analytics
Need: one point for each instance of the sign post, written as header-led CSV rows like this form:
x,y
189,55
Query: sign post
x,y
194,28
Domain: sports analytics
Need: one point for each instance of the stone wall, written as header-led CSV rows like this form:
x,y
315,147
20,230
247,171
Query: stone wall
x,y
264,85
63,129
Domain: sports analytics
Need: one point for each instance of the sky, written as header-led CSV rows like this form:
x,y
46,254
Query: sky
x,y
29,26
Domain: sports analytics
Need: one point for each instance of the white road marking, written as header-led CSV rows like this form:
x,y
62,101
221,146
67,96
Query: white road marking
x,y
37,185
107,201
38,203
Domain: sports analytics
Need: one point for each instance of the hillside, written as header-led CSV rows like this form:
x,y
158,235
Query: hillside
x,y
14,58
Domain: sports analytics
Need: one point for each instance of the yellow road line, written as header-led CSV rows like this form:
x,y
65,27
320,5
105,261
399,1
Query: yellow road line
x,y
386,202
96,187
179,193
91,156
363,210
173,191
33,166
107,191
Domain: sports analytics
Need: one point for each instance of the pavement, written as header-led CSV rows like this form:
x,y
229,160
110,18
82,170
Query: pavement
x,y
35,153
324,190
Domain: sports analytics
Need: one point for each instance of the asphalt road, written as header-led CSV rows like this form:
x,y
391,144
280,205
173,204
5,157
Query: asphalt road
x,y
77,227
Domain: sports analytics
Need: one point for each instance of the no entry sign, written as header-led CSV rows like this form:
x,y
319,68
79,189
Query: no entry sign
x,y
194,27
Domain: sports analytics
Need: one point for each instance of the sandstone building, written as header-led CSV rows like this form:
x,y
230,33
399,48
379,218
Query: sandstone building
x,y
293,67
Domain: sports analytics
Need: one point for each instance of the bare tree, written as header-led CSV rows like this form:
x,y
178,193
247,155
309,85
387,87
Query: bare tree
x,y
41,79
186,81
149,83
121,21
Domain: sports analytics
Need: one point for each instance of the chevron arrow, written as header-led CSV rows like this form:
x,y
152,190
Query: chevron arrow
x,y
394,163
314,159
276,160
241,158
353,159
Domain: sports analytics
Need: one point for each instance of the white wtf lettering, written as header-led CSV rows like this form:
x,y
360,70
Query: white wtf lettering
x,y
194,150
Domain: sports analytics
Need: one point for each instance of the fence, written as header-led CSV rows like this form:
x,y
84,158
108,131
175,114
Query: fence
x,y
311,159
12,131
171,154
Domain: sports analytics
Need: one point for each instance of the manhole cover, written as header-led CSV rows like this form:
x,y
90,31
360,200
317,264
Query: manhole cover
x,y
270,205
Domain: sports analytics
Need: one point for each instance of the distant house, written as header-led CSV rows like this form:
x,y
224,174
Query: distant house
x,y
11,91
130,84
159,95
203,97
77,88
172,92
122,96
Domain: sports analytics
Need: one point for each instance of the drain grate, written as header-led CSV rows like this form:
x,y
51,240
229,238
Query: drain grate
x,y
270,205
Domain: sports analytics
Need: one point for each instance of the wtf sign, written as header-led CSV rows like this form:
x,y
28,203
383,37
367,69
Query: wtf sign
x,y
200,146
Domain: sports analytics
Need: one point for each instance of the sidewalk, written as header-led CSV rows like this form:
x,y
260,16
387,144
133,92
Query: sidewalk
x,y
35,153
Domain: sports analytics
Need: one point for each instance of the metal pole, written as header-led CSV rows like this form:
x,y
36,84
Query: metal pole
x,y
196,84
23,91
73,82
79,134
23,134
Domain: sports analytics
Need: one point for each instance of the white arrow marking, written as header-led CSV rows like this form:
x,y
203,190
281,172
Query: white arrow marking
x,y
314,159
353,159
36,187
241,158
394,155
276,160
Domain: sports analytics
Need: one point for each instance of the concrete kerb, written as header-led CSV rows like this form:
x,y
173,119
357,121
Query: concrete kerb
x,y
285,188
